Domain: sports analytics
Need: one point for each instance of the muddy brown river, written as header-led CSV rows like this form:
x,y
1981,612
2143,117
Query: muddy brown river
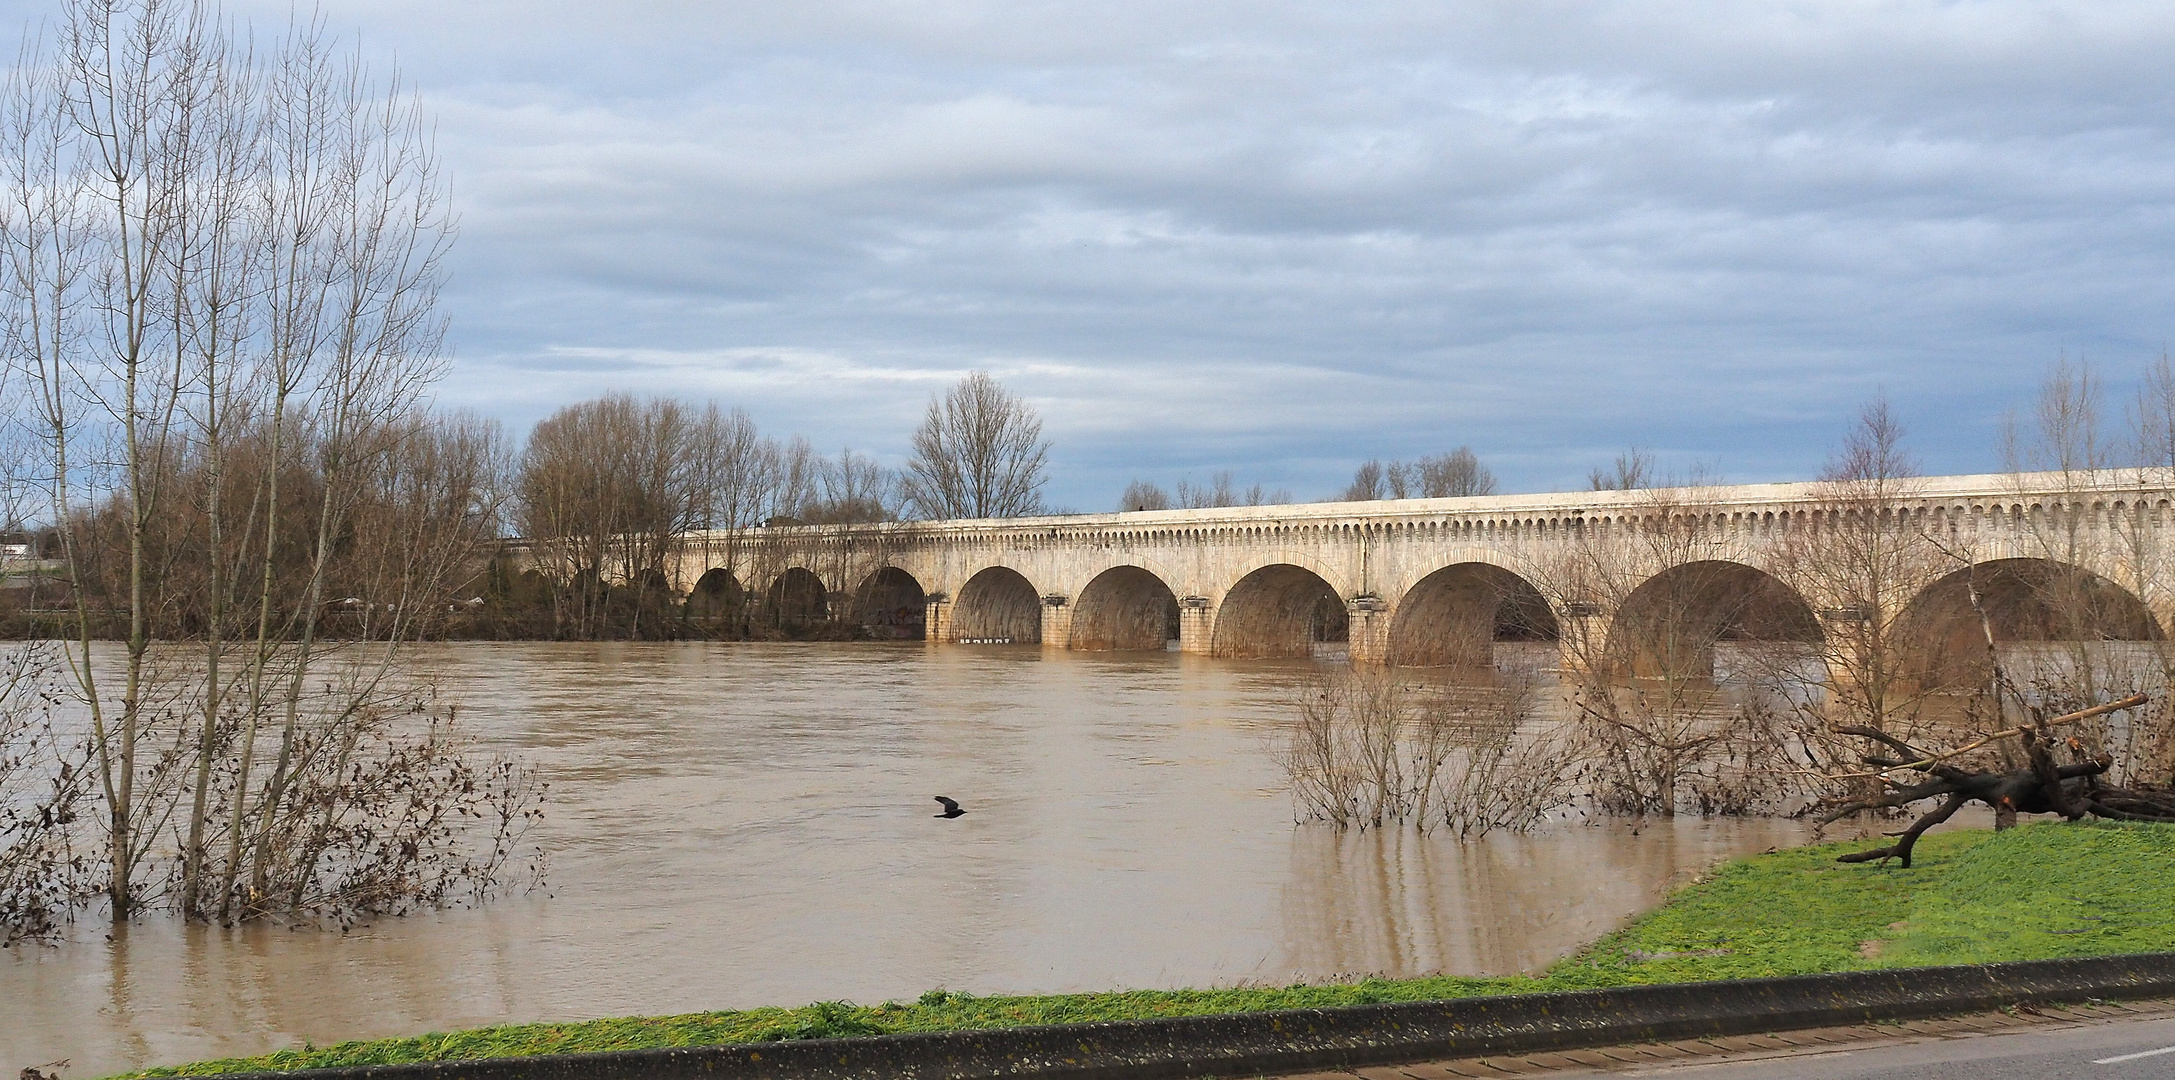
x,y
737,824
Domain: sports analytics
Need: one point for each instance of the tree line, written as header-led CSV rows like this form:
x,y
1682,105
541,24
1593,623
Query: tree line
x,y
607,493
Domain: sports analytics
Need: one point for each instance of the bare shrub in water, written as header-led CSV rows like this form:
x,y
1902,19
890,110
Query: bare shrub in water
x,y
1370,751
41,784
1656,593
387,809
1660,753
391,821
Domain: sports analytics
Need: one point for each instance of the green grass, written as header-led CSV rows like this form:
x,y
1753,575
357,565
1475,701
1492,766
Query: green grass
x,y
2043,890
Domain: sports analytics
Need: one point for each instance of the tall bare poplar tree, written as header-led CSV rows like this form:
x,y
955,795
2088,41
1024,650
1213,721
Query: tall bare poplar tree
x,y
219,272
978,453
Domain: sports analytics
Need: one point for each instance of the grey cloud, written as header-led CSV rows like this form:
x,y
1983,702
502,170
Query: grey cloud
x,y
1283,238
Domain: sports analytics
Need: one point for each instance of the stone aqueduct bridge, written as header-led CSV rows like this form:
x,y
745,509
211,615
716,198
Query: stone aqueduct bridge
x,y
1418,581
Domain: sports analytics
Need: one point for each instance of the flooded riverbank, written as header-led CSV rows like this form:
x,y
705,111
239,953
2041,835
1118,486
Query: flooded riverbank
x,y
742,824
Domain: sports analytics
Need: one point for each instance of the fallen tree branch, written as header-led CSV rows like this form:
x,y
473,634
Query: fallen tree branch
x,y
1901,849
2131,702
2043,786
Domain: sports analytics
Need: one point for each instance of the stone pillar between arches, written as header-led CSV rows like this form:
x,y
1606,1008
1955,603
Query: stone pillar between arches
x,y
1056,622
1196,625
1368,624
1842,623
1582,638
937,622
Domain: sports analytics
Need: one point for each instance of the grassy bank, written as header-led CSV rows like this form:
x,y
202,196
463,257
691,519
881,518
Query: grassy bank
x,y
2043,890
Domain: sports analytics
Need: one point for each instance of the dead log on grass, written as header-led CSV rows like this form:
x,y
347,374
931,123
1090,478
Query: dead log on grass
x,y
2045,786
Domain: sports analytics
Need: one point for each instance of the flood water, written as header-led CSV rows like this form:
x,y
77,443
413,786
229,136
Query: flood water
x,y
734,825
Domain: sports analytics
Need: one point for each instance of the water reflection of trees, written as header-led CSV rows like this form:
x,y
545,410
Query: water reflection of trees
x,y
1398,902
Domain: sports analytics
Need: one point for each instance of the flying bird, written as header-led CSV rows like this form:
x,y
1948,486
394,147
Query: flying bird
x,y
951,809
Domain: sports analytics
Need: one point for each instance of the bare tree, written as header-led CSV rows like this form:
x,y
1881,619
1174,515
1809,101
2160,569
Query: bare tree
x,y
114,120
2075,625
220,278
795,472
607,495
2060,673
978,453
2152,421
1634,469
1456,474
2063,433
1221,490
1868,559
41,785
730,473
1368,484
729,470
1663,727
1143,495
855,489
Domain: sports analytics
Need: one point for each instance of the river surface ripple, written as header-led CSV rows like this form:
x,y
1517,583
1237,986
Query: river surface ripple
x,y
734,825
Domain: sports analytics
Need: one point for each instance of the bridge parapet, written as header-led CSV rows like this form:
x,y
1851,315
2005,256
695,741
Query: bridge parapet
x,y
1407,580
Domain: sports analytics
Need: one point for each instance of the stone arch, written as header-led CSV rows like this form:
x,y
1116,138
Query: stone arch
x,y
1279,610
1454,616
998,604
530,589
891,605
2024,600
798,601
1669,625
716,598
1124,608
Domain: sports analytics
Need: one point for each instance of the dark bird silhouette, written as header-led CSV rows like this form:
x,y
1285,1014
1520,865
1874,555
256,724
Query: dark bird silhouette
x,y
951,809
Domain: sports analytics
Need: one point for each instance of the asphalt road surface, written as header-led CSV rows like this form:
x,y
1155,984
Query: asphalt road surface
x,y
2129,1050
2093,1041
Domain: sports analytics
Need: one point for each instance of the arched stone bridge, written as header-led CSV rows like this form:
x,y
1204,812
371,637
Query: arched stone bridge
x,y
1442,581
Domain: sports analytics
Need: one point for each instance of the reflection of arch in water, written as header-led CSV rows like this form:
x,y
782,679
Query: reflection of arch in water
x,y
1279,610
890,605
797,601
1124,608
2024,600
998,604
1454,617
1669,625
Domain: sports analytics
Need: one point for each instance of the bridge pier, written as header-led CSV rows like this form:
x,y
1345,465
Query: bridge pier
x,y
937,623
1582,635
1196,624
1368,625
1056,622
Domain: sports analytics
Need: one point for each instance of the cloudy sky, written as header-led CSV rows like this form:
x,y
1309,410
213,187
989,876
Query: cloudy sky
x,y
1280,239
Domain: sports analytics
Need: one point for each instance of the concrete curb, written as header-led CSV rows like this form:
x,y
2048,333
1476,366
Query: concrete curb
x,y
1299,1040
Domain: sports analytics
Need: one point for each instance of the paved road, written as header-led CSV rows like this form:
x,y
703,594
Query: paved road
x,y
2115,1051
2100,1041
